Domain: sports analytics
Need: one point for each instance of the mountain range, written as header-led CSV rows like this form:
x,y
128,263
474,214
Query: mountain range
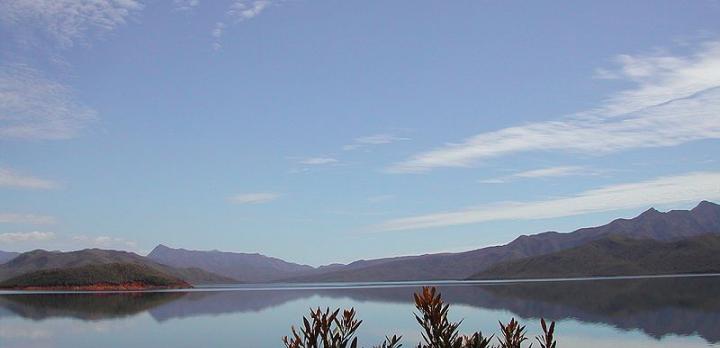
x,y
245,268
96,277
650,225
6,256
41,260
583,252
617,255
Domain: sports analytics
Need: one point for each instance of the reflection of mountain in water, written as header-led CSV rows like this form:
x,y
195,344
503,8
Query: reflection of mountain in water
x,y
658,307
83,306
224,302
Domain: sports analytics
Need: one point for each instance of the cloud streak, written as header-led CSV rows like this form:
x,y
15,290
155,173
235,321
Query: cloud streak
x,y
52,241
371,140
318,161
690,187
254,198
104,242
549,172
26,219
36,108
35,236
13,179
675,100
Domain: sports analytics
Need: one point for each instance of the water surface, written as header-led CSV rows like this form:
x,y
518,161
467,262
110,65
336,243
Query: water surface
x,y
618,313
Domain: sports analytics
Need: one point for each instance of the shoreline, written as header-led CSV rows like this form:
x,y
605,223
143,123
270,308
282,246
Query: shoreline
x,y
328,286
100,287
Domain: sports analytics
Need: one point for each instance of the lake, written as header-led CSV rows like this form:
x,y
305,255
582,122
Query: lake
x,y
618,313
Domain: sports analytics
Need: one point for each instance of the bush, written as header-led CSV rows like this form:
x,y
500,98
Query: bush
x,y
326,329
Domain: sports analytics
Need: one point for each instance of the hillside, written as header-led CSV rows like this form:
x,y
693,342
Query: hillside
x,y
244,267
6,256
109,276
39,260
616,256
652,224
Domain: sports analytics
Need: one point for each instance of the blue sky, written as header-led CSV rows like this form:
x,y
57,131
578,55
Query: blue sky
x,y
327,131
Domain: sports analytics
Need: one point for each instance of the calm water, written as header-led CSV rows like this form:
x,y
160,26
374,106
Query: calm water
x,y
665,312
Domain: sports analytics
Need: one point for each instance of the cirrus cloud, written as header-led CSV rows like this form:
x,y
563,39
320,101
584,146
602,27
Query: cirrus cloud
x,y
239,11
690,187
13,179
26,219
33,107
254,198
104,242
548,172
65,22
676,99
318,161
34,236
371,140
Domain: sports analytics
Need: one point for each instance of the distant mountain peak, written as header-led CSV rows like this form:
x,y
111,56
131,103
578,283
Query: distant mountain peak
x,y
706,205
243,267
159,249
651,211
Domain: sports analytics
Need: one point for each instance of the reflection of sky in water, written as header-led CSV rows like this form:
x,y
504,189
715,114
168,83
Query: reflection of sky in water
x,y
637,313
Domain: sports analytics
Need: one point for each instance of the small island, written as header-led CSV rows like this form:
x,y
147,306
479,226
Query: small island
x,y
96,277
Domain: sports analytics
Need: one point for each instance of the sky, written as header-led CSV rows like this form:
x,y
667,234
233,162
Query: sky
x,y
330,131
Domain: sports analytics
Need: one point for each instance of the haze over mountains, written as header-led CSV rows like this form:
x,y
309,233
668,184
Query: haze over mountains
x,y
248,268
6,256
687,240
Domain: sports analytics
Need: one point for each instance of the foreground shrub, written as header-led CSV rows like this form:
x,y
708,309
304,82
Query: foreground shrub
x,y
325,329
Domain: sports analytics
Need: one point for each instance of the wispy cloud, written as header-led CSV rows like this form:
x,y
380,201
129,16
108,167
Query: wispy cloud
x,y
550,172
26,219
690,187
242,10
370,140
217,34
15,237
64,22
53,241
13,179
103,242
239,11
318,161
186,5
254,198
676,99
34,107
